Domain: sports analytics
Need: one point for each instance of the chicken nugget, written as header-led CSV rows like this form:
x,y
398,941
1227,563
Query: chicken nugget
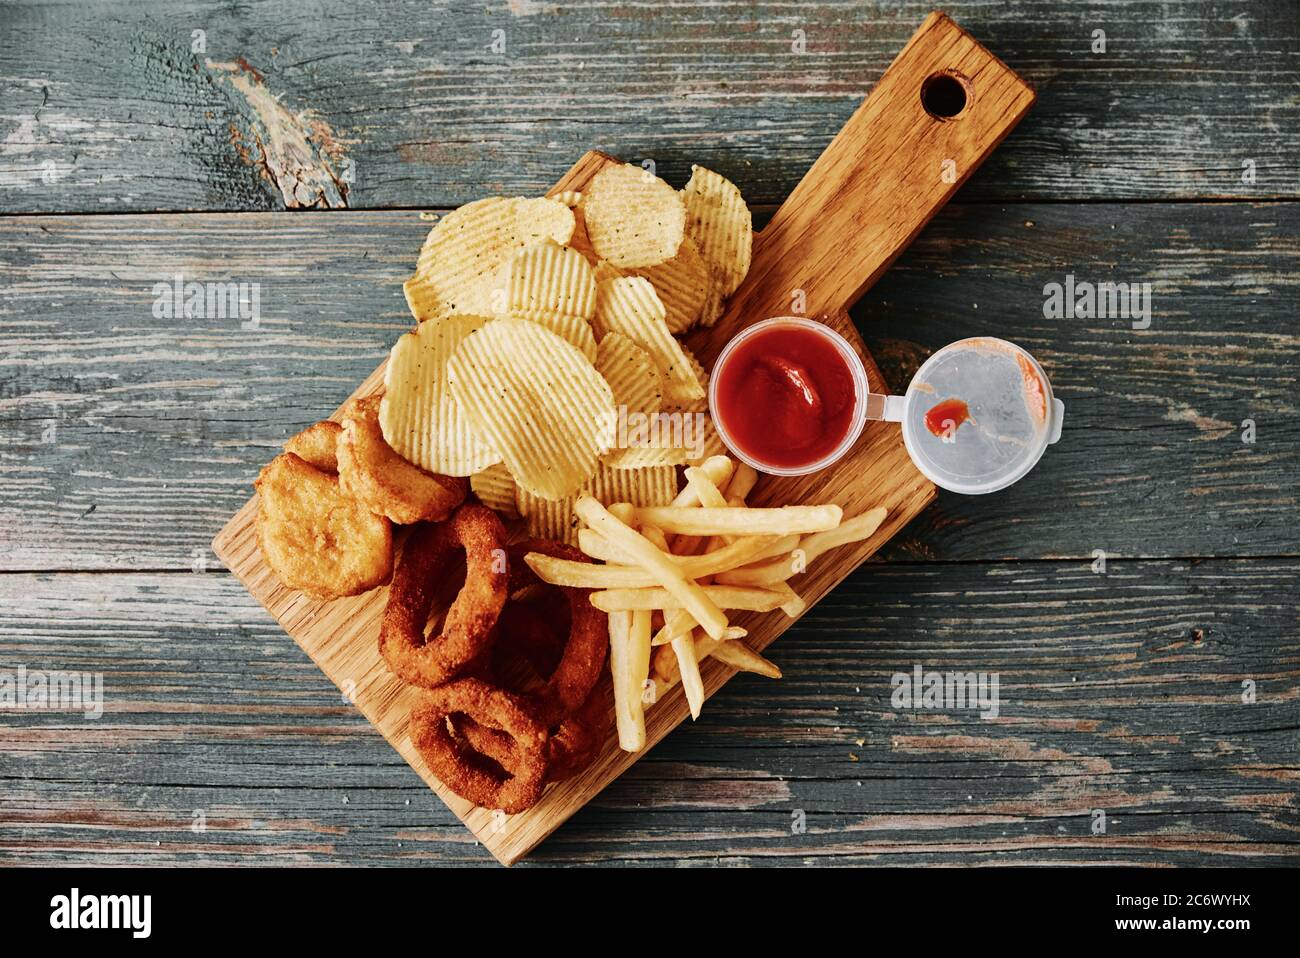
x,y
316,444
375,475
314,536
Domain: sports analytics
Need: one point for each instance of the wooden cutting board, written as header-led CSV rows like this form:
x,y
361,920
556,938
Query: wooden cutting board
x,y
879,182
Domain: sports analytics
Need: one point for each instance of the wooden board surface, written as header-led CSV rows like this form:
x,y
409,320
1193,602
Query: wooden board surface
x,y
341,635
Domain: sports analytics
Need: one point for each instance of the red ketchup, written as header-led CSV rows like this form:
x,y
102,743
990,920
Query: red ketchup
x,y
785,396
944,418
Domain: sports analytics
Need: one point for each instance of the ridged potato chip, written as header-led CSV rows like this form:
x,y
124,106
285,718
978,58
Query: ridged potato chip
x,y
714,303
712,446
538,400
557,520
697,433
721,225
574,330
496,489
697,368
641,487
418,416
461,260
548,518
645,457
633,218
670,437
682,283
546,277
631,373
604,270
538,218
630,305
638,389
553,286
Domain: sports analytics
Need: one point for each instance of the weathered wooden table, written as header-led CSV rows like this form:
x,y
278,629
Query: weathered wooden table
x,y
1136,594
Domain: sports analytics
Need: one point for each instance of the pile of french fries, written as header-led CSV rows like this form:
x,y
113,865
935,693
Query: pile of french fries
x,y
685,565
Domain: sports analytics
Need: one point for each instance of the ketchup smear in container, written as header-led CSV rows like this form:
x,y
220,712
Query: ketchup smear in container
x,y
785,396
944,419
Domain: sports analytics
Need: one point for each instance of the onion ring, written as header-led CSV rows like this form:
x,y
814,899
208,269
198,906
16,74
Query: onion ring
x,y
574,745
570,747
459,766
583,661
467,630
524,633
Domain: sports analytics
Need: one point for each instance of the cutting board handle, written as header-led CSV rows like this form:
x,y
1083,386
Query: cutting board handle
x,y
942,106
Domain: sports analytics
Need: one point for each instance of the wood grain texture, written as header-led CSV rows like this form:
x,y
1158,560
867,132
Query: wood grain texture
x,y
341,635
1119,692
887,172
405,103
127,440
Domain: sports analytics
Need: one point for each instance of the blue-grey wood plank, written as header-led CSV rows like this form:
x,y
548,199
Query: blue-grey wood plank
x,y
190,105
1119,693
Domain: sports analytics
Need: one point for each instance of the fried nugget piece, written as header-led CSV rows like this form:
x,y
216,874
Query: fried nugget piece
x,y
316,445
376,476
314,536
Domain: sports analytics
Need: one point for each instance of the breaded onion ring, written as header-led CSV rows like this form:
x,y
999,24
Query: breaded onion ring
x,y
570,747
524,634
583,661
467,630
573,746
372,472
522,760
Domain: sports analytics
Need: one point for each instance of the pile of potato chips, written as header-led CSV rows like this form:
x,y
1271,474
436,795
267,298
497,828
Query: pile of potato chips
x,y
547,342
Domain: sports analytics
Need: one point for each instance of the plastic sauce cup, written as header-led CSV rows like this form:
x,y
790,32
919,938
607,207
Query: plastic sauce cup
x,y
856,418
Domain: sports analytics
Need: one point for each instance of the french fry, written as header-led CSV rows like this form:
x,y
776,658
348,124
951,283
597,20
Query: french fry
x,y
595,545
623,512
688,666
707,493
854,530
794,606
705,489
654,536
719,596
718,470
683,591
585,575
810,547
723,521
743,480
676,622
666,672
738,655
629,664
679,621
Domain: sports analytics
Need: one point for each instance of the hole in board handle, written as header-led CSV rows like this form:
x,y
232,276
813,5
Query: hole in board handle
x,y
944,96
